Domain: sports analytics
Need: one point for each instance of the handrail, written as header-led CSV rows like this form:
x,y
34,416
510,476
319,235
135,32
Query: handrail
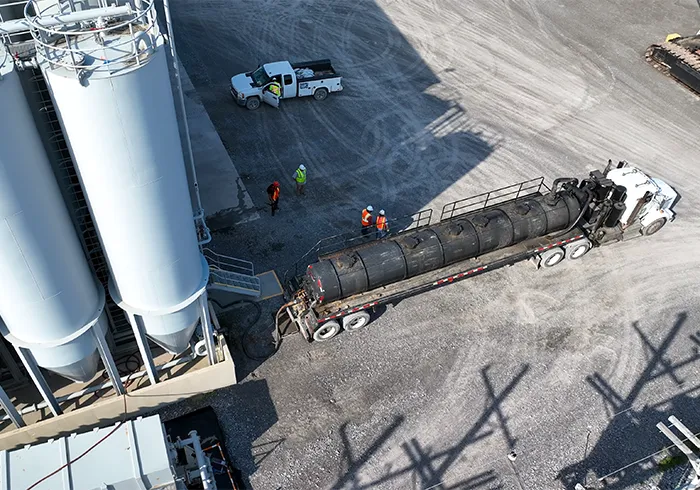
x,y
226,263
59,47
335,243
329,245
491,198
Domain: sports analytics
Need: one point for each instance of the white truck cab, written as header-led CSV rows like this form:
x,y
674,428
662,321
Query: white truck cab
x,y
648,200
314,78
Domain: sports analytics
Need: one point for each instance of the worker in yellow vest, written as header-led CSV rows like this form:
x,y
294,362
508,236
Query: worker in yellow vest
x,y
275,88
300,178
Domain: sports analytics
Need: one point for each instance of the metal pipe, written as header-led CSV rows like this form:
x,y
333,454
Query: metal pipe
x,y
18,26
12,366
142,342
181,97
108,361
201,458
207,330
39,381
82,16
10,409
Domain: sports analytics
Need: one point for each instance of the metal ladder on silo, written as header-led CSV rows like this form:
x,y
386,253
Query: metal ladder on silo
x,y
231,274
78,207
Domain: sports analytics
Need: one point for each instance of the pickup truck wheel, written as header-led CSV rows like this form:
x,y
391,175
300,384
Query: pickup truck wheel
x,y
326,331
252,103
551,257
321,93
356,321
653,227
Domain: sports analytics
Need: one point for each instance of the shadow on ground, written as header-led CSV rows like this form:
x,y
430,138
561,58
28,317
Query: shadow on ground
x,y
245,412
386,140
631,433
428,467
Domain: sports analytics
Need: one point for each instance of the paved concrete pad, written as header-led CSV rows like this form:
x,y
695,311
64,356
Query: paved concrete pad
x,y
225,200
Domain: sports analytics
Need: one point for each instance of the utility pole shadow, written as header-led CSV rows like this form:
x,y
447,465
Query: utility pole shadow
x,y
427,468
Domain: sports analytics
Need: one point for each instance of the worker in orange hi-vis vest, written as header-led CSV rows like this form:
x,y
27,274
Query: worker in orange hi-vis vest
x,y
273,193
367,220
382,225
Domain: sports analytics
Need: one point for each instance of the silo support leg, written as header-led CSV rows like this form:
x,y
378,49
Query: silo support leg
x,y
10,363
39,380
10,409
142,342
108,361
207,328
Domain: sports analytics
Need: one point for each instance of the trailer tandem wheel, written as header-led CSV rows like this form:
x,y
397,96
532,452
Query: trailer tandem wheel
x,y
552,257
577,249
356,321
326,331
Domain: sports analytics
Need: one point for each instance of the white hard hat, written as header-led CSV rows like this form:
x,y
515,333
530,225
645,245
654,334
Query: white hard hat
x,y
381,212
370,208
302,167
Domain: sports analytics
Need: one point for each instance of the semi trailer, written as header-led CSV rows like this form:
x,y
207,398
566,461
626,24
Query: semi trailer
x,y
475,235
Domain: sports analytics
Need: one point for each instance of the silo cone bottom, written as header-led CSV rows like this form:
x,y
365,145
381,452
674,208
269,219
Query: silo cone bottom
x,y
77,360
80,371
173,332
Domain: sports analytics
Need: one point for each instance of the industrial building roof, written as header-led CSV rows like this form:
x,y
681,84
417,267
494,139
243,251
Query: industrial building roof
x,y
132,456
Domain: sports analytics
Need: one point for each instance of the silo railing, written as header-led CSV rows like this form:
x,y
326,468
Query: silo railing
x,y
94,40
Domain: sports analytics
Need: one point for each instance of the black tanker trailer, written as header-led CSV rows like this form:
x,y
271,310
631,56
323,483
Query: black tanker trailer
x,y
475,235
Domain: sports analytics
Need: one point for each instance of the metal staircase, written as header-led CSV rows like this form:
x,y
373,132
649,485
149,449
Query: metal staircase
x,y
231,275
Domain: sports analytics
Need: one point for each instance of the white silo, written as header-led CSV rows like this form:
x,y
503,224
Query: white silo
x,y
48,295
111,88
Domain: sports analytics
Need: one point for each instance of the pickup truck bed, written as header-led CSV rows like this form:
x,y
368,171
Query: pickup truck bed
x,y
321,68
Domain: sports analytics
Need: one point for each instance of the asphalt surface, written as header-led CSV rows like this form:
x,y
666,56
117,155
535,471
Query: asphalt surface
x,y
570,367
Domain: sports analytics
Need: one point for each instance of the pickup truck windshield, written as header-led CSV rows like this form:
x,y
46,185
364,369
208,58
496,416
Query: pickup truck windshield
x,y
259,77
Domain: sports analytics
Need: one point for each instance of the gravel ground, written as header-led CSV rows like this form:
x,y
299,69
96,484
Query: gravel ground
x,y
570,367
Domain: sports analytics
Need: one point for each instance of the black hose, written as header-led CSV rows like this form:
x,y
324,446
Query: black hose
x,y
580,215
248,328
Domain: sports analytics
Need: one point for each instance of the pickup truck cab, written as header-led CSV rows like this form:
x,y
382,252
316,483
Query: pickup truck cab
x,y
315,78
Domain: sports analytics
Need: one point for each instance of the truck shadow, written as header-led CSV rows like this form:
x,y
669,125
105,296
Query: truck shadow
x,y
619,458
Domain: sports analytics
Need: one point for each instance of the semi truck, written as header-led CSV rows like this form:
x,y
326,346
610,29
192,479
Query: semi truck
x,y
309,78
475,235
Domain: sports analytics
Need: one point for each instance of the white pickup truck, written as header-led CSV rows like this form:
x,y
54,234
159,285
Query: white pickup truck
x,y
317,78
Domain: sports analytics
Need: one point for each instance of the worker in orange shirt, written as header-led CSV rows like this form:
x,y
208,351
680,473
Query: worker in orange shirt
x,y
367,221
382,225
273,194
